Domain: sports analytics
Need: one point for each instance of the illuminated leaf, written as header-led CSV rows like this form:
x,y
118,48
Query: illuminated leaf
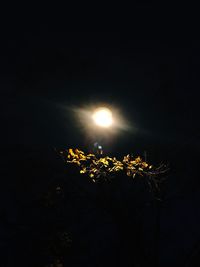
x,y
106,167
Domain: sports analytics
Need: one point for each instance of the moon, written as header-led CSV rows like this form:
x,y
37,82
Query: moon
x,y
103,117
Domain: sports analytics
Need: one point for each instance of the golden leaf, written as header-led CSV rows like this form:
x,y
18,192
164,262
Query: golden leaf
x,y
138,160
71,151
144,165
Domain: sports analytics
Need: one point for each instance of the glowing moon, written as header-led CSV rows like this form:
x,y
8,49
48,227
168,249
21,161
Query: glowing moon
x,y
103,117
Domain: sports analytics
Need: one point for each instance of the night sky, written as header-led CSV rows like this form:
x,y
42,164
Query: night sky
x,y
151,74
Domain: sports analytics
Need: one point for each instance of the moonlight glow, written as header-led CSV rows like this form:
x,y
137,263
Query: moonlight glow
x,y
103,117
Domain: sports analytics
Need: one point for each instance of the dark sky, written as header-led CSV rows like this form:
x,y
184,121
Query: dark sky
x,y
150,73
147,66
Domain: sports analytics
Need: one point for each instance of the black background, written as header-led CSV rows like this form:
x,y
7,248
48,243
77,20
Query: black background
x,y
147,65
